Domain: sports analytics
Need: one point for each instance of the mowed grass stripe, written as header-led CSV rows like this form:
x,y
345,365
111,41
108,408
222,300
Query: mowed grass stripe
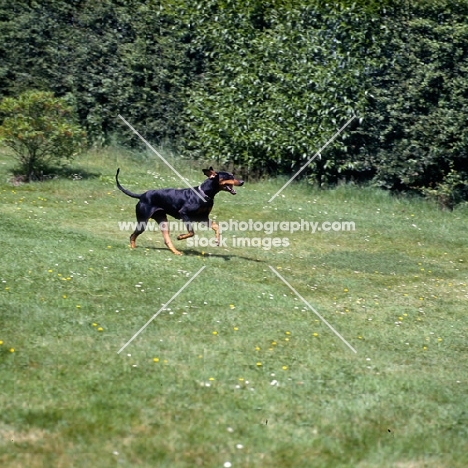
x,y
238,369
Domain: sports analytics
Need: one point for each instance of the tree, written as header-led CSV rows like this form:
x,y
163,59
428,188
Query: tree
x,y
414,136
281,77
41,131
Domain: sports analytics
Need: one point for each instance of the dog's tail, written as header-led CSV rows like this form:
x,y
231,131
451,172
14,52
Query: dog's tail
x,y
124,190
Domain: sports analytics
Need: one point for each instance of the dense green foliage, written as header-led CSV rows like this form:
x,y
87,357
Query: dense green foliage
x,y
39,128
280,79
261,84
415,127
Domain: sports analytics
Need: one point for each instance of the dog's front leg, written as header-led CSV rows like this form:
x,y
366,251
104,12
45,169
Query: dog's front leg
x,y
215,227
188,225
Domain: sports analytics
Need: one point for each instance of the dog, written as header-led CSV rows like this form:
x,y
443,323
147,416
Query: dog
x,y
184,204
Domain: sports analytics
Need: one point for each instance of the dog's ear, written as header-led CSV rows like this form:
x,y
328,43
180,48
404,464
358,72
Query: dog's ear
x,y
210,173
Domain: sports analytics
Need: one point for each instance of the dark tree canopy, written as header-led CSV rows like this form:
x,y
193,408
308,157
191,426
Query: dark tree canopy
x,y
261,84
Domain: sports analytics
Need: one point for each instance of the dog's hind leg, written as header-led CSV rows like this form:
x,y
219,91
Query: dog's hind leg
x,y
140,228
142,221
164,226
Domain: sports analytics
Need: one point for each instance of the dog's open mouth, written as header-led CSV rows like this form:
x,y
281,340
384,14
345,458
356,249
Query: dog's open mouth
x,y
228,185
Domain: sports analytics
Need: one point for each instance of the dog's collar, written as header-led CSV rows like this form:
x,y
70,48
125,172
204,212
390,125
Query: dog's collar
x,y
205,196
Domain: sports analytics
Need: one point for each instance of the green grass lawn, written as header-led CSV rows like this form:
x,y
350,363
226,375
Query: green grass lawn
x,y
237,371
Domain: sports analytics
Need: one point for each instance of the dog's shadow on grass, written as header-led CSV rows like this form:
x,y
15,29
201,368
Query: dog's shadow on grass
x,y
197,253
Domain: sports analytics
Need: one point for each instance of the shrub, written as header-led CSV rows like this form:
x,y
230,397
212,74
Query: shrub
x,y
41,131
449,193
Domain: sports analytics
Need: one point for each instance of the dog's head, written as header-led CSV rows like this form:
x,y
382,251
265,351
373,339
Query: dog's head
x,y
226,180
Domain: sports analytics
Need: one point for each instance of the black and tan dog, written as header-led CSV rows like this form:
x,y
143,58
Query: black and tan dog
x,y
182,204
